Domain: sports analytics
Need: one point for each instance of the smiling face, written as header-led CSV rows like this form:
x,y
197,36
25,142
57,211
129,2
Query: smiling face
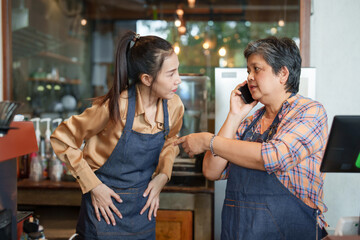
x,y
263,83
167,79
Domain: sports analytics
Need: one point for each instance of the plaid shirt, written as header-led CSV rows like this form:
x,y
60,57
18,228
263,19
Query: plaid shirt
x,y
295,152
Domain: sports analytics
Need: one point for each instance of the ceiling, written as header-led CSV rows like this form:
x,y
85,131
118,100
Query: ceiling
x,y
218,10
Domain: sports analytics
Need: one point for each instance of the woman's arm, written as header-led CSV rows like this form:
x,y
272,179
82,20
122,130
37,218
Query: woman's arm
x,y
68,137
213,167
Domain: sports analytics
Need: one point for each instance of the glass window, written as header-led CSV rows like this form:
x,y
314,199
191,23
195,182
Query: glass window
x,y
63,50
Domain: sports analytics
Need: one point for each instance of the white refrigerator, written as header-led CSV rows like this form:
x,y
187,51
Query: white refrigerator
x,y
226,80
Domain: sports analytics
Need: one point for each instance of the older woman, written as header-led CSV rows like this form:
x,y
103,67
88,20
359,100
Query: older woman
x,y
272,158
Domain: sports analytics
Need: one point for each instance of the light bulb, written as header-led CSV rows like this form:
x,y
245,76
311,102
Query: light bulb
x,y
206,45
177,23
222,52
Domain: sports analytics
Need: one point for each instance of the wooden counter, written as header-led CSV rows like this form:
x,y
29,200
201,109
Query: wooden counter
x,y
196,200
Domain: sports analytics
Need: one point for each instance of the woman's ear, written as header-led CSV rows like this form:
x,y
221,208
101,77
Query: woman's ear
x,y
284,74
146,79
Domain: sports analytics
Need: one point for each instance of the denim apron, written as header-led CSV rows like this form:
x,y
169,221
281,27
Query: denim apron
x,y
128,172
258,206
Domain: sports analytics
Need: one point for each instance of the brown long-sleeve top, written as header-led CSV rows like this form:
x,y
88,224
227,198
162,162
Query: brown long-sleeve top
x,y
101,136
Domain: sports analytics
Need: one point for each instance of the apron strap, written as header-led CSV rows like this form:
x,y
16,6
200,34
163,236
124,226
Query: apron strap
x,y
131,111
270,132
131,108
166,118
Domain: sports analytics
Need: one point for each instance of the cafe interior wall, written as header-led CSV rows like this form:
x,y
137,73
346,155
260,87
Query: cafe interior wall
x,y
335,55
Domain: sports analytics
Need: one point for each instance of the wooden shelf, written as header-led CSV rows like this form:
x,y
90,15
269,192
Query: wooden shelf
x,y
70,81
59,57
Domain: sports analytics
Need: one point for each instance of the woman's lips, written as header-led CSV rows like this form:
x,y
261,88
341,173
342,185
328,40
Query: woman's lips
x,y
174,90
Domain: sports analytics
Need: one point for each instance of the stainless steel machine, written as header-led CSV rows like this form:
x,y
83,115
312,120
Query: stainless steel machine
x,y
193,93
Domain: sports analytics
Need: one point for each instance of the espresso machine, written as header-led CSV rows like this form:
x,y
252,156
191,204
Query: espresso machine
x,y
193,93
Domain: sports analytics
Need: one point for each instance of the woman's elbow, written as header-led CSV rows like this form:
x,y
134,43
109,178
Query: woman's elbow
x,y
210,174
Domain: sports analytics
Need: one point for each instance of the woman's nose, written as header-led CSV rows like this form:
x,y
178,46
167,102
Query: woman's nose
x,y
178,80
250,77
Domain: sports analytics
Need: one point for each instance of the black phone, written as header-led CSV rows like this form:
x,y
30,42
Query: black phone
x,y
245,94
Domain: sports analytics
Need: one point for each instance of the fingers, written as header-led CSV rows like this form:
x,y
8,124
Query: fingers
x,y
156,206
145,207
103,213
117,197
97,214
110,215
147,191
180,141
116,211
151,210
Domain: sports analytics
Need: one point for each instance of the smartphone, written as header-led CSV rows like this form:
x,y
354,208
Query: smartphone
x,y
245,94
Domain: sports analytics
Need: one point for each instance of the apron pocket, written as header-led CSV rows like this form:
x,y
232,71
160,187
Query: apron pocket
x,y
248,220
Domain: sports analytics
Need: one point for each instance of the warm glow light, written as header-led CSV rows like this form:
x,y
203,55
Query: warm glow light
x,y
177,48
191,3
281,23
273,31
182,29
177,23
222,52
83,21
196,37
180,12
206,45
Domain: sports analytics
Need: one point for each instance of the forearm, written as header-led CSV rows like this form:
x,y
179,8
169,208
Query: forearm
x,y
214,166
242,153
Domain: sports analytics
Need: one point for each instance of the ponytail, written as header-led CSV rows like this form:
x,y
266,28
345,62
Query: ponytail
x,y
135,56
121,81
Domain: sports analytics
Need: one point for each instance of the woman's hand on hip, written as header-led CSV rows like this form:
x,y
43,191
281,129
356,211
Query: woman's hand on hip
x,y
195,143
153,191
102,202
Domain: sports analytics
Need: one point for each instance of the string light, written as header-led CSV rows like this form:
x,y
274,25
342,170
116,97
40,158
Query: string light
x,y
222,52
191,3
176,48
206,45
281,23
83,22
177,23
182,30
180,12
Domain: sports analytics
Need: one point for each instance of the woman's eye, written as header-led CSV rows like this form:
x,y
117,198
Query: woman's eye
x,y
257,69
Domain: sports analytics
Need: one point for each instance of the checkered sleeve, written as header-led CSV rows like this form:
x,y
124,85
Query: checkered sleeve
x,y
301,135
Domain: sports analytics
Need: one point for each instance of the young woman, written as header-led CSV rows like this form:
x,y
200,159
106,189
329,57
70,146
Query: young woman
x,y
129,133
271,160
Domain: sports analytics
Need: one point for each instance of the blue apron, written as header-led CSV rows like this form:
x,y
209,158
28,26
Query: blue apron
x,y
258,206
128,172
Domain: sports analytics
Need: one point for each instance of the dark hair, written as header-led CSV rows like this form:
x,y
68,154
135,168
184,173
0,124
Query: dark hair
x,y
278,53
135,56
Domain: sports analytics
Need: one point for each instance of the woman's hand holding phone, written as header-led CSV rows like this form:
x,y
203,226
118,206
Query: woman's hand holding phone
x,y
237,105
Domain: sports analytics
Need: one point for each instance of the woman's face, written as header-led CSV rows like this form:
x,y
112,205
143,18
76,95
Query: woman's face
x,y
264,85
168,78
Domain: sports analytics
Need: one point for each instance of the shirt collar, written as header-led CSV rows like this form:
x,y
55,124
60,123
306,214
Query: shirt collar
x,y
286,104
139,108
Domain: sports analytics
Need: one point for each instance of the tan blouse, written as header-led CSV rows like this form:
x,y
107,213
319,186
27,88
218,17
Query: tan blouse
x,y
101,136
